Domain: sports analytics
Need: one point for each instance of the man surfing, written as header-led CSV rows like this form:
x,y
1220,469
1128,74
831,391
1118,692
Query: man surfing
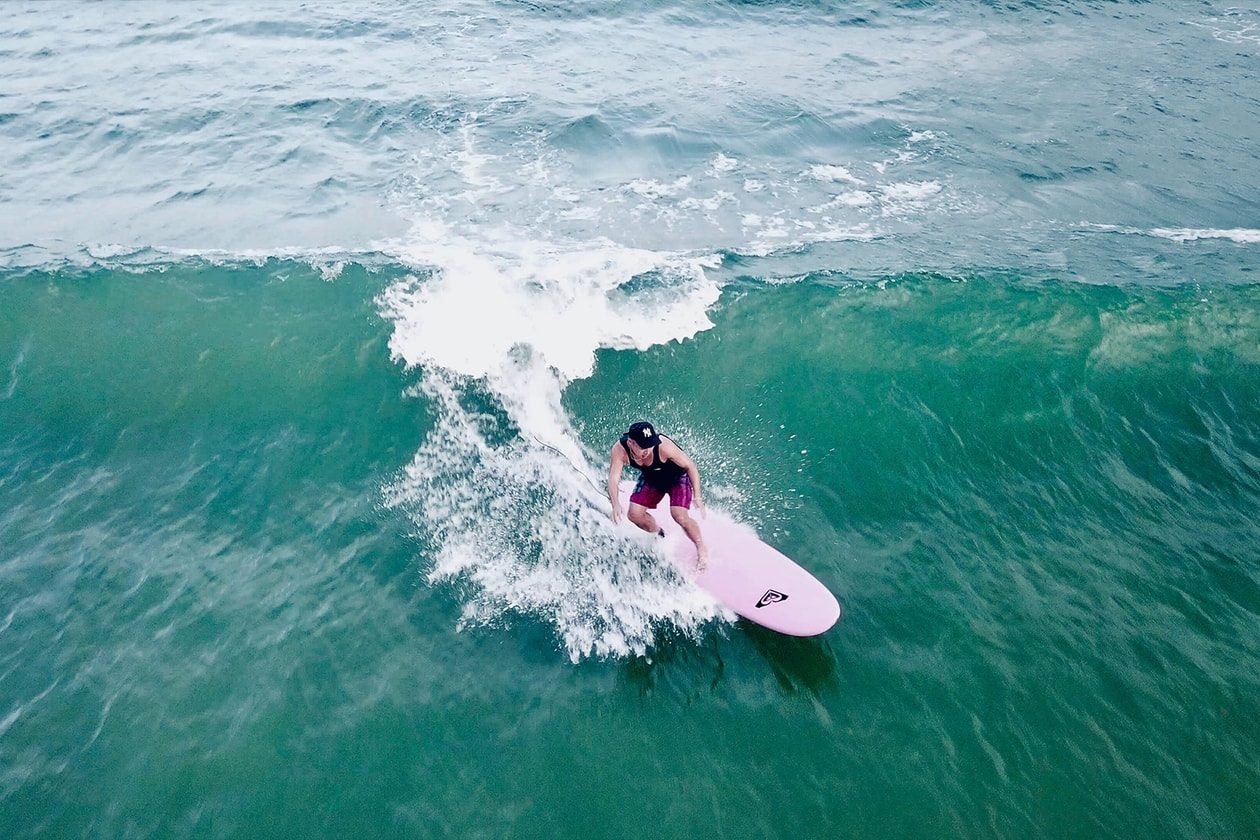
x,y
664,469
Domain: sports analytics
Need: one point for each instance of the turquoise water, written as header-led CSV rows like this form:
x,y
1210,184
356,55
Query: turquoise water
x,y
317,325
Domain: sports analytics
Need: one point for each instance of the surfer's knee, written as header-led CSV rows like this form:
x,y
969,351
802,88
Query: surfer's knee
x,y
681,515
640,517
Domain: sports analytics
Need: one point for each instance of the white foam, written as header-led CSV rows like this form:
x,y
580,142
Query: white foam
x,y
708,204
721,164
851,198
1241,235
493,293
499,322
834,174
104,251
655,189
1235,27
472,164
768,235
913,192
532,537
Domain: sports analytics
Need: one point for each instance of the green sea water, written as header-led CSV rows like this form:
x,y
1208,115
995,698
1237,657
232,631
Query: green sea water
x,y
1032,497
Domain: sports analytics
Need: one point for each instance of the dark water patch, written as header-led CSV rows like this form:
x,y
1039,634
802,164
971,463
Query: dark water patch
x,y
1063,7
345,118
584,133
186,195
173,30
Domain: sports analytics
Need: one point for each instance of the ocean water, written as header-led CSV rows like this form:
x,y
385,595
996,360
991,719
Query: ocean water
x,y
317,324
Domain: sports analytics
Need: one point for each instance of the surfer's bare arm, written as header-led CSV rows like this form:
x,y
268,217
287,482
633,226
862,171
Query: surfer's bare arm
x,y
671,451
696,498
618,463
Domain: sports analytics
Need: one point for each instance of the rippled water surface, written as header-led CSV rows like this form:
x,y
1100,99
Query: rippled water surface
x,y
317,324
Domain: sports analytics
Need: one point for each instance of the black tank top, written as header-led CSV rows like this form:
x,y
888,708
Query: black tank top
x,y
659,474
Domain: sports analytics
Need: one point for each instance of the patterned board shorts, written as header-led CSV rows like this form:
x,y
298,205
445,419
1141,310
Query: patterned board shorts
x,y
648,496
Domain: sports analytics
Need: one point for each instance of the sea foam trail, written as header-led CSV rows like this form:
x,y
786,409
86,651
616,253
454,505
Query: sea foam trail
x,y
502,488
1243,236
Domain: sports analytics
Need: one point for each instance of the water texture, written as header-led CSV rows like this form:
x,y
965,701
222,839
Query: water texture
x,y
317,324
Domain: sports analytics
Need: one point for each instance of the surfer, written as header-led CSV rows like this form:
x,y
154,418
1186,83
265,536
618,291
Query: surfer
x,y
664,469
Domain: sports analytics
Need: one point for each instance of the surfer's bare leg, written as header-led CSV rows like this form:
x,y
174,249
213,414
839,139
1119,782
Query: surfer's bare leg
x,y
639,515
692,529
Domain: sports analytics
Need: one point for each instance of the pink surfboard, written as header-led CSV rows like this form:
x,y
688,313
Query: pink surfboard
x,y
746,575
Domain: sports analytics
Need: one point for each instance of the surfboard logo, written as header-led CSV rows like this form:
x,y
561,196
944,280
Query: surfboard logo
x,y
771,597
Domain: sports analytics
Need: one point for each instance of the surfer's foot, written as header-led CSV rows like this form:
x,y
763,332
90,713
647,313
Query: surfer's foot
x,y
702,558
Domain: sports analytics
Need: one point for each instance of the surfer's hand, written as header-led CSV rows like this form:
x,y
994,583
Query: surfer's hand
x,y
616,514
700,509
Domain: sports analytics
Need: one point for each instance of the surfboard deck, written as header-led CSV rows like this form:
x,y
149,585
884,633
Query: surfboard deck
x,y
751,578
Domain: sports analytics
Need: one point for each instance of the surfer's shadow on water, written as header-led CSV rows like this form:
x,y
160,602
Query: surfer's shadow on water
x,y
799,663
682,664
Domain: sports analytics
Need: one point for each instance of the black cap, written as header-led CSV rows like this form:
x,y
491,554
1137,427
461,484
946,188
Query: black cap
x,y
643,434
